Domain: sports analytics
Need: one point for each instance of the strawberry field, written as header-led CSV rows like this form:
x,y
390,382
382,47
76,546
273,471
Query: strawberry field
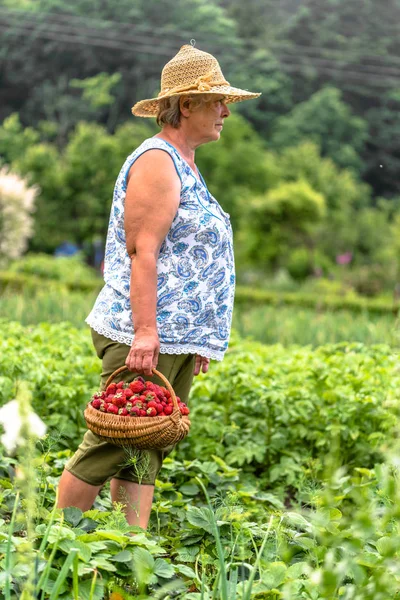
x,y
286,487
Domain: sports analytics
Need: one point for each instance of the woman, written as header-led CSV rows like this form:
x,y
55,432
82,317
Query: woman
x,y
169,272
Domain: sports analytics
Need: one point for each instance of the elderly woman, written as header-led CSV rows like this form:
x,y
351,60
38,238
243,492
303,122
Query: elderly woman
x,y
169,272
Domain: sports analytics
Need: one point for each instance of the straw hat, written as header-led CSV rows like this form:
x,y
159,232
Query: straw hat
x,y
191,71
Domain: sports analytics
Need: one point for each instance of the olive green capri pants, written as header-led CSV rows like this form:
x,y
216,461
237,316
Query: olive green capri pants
x,y
97,461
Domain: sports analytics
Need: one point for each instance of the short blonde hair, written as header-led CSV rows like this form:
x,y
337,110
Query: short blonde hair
x,y
169,112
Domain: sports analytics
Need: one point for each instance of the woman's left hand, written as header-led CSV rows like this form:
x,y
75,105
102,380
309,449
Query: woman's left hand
x,y
201,364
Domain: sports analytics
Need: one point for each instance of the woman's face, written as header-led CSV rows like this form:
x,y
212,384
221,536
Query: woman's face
x,y
206,122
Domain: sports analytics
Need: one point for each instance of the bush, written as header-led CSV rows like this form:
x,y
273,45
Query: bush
x,y
278,413
67,270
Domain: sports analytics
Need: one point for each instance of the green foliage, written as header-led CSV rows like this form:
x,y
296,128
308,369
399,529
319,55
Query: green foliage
x,y
255,409
67,270
311,411
279,220
96,90
326,120
77,184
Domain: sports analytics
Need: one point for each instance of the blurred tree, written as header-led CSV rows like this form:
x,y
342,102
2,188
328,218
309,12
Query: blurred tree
x,y
327,121
278,220
76,184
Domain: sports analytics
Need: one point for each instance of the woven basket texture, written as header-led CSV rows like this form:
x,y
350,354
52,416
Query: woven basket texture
x,y
139,432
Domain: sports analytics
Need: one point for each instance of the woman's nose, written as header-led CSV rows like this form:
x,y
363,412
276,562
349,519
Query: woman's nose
x,y
225,111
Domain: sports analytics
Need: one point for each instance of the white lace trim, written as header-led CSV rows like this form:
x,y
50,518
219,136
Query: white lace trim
x,y
125,338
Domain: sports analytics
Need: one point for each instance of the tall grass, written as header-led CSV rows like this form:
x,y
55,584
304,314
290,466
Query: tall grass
x,y
268,324
292,325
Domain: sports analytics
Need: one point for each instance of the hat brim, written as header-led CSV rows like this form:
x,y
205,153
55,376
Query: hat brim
x,y
149,108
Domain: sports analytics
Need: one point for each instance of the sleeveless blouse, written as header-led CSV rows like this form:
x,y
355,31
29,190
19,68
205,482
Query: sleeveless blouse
x,y
195,270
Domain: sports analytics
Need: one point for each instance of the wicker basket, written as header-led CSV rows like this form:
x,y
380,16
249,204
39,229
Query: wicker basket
x,y
139,432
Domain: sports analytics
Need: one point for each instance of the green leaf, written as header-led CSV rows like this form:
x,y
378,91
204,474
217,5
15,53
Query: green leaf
x,y
85,587
274,574
188,554
88,524
185,570
102,563
164,569
123,556
143,563
84,550
297,570
73,515
200,517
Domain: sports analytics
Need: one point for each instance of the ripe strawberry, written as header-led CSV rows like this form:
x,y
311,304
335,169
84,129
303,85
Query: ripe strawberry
x,y
112,388
138,403
136,386
96,403
128,405
152,404
150,396
143,413
128,393
99,396
120,385
159,408
186,411
123,412
168,410
119,400
163,403
151,412
103,407
112,409
135,412
149,385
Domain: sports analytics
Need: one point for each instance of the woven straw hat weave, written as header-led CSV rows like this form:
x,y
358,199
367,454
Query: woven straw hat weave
x,y
191,71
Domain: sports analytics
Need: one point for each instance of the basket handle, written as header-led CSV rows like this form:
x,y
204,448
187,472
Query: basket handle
x,y
155,372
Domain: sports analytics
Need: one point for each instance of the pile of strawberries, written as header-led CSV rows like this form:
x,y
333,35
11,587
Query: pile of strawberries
x,y
139,398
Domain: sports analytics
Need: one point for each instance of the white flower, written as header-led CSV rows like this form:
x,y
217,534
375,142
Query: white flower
x,y
10,418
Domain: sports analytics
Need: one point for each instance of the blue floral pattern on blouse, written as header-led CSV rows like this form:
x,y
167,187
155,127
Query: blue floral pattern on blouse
x,y
195,270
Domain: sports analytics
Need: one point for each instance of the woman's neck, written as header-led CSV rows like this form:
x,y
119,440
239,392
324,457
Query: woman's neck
x,y
180,141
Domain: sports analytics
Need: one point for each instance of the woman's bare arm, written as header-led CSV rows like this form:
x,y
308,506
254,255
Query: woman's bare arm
x,y
151,202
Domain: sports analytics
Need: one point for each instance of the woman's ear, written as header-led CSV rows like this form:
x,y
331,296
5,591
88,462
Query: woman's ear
x,y
184,106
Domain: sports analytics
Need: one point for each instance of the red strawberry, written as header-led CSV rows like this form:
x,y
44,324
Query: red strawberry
x,y
112,388
152,404
138,403
151,411
112,409
168,410
123,412
143,413
186,411
149,385
159,407
128,393
96,403
135,412
140,378
136,386
119,400
104,406
150,396
120,385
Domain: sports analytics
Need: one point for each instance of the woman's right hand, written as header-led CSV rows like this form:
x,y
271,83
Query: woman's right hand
x,y
143,355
